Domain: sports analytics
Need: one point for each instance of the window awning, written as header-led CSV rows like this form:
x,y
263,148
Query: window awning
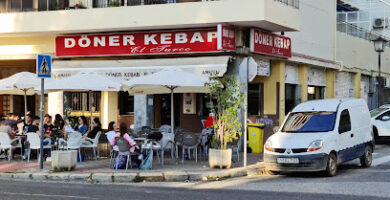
x,y
127,69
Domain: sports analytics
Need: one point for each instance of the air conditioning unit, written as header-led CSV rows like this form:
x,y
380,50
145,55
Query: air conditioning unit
x,y
380,23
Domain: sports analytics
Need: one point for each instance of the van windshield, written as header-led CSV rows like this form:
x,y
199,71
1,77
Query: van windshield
x,y
310,122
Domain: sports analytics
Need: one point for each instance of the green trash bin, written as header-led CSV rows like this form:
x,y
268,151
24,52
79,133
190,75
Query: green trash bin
x,y
255,137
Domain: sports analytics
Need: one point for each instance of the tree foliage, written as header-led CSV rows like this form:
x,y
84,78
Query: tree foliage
x,y
227,124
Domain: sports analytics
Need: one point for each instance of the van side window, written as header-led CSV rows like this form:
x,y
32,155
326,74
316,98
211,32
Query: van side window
x,y
345,122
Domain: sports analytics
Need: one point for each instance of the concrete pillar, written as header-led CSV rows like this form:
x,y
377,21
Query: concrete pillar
x,y
109,108
271,101
35,5
357,84
303,80
55,103
140,111
330,83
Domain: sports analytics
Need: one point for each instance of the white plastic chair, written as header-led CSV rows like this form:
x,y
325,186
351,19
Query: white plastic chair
x,y
113,149
167,143
152,145
6,143
35,143
93,144
73,142
165,128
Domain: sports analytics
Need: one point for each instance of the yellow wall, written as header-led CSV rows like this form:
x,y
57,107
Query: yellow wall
x,y
302,76
330,83
356,84
109,108
270,88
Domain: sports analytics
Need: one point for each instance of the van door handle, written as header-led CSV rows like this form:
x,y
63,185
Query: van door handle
x,y
352,135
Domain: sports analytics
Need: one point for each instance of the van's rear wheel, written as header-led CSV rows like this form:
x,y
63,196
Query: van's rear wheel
x,y
331,167
366,159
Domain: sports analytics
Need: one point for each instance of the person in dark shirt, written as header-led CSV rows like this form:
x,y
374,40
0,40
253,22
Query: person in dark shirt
x,y
96,127
31,124
47,125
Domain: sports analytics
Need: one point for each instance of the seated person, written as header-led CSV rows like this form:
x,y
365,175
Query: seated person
x,y
47,130
123,134
96,127
4,128
82,126
31,125
210,121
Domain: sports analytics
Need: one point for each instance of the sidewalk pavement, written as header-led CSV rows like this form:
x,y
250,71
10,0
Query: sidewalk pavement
x,y
97,171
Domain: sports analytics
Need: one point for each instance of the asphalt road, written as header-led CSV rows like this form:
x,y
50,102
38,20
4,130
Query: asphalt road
x,y
352,182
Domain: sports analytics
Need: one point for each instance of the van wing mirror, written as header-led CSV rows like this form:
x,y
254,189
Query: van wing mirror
x,y
385,118
275,129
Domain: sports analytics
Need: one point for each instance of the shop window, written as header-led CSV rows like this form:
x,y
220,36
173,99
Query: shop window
x,y
315,92
6,102
15,5
125,103
80,101
204,105
292,96
255,99
53,4
3,6
110,3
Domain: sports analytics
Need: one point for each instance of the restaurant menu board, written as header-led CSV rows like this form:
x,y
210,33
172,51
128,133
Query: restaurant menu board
x,y
189,103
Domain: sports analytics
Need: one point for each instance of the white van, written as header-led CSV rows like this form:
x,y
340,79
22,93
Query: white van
x,y
318,135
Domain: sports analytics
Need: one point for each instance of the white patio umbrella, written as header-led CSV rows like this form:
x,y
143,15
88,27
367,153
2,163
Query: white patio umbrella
x,y
22,83
168,81
83,82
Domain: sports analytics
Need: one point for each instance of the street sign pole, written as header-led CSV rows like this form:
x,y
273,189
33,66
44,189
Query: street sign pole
x,y
43,71
42,113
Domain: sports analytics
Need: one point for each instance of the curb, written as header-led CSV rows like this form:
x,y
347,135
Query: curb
x,y
131,177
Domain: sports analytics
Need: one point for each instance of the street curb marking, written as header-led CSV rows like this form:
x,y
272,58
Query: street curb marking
x,y
131,177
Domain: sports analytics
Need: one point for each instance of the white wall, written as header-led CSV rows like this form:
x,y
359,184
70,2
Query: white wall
x,y
358,55
267,14
316,37
56,103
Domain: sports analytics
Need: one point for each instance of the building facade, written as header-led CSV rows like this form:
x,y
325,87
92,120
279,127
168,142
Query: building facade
x,y
283,53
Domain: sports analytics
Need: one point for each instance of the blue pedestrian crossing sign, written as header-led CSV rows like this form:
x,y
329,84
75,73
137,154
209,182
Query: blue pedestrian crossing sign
x,y
43,66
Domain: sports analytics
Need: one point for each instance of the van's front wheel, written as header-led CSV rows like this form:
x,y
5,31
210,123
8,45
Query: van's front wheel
x,y
366,159
331,167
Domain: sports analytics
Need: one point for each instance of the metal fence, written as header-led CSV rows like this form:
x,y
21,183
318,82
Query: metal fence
x,y
292,3
358,32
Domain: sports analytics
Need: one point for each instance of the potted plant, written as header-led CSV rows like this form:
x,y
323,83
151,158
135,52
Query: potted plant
x,y
226,123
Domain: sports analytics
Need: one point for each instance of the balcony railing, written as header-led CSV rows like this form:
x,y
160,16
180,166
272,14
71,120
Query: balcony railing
x,y
45,5
358,32
292,3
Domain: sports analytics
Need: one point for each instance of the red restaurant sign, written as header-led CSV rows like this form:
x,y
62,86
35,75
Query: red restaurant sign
x,y
271,44
139,43
226,38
